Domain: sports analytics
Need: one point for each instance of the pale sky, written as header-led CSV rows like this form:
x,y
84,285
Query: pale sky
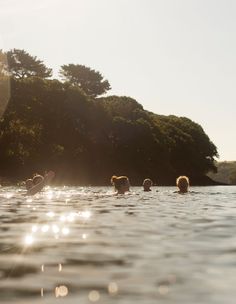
x,y
173,56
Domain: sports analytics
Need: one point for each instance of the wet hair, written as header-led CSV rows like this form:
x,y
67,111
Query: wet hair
x,y
119,181
37,179
182,182
29,183
147,183
147,180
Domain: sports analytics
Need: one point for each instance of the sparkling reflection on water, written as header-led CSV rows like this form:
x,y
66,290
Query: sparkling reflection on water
x,y
84,245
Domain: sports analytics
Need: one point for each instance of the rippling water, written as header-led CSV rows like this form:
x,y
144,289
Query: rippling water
x,y
84,245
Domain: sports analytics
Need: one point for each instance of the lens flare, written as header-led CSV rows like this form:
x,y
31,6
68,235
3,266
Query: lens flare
x,y
4,83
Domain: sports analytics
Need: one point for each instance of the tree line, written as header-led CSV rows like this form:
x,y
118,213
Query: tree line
x,y
69,126
226,172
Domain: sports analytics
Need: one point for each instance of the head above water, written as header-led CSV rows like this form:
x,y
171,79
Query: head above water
x,y
182,182
29,183
147,183
121,183
37,179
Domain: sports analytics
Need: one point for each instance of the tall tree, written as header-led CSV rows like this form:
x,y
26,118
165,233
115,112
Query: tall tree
x,y
90,81
22,65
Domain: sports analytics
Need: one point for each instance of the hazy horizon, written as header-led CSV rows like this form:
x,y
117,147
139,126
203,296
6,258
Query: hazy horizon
x,y
173,57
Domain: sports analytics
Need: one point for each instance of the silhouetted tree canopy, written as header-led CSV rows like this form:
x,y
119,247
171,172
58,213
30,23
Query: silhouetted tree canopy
x,y
233,177
22,65
90,81
49,124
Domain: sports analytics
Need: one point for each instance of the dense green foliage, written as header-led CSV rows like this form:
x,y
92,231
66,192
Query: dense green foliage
x,y
226,172
49,124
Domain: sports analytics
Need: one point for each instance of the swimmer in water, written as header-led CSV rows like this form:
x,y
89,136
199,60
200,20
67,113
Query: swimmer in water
x,y
147,183
182,182
36,184
37,179
28,183
121,184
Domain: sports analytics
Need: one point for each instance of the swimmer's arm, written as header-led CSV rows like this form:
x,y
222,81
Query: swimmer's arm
x,y
35,189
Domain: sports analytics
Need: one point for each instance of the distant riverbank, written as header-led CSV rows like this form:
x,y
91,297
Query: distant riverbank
x,y
226,172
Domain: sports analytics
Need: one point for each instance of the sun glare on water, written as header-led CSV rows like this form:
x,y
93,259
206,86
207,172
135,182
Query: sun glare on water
x,y
29,240
56,226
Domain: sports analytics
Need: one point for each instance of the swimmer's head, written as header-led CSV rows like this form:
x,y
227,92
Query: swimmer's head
x,y
29,183
37,179
182,182
121,183
147,183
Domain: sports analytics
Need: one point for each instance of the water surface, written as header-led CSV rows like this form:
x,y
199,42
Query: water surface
x,y
84,245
